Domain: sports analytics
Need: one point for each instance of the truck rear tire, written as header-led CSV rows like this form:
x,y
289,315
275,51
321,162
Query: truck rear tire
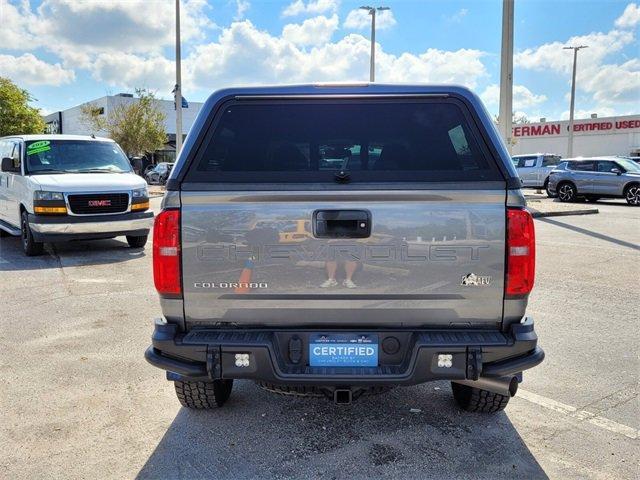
x,y
138,241
474,399
203,395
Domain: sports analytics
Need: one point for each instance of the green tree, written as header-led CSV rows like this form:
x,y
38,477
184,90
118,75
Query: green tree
x,y
16,116
137,126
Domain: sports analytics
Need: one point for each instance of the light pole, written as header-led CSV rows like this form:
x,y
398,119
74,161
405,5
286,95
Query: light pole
x,y
506,74
178,89
372,65
573,96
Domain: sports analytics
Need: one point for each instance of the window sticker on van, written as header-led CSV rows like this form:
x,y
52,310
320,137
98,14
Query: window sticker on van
x,y
38,147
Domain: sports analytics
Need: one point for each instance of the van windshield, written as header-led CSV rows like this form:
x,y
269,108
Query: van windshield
x,y
345,142
75,156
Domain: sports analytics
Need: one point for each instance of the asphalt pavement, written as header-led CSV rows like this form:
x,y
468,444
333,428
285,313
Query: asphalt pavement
x,y
79,401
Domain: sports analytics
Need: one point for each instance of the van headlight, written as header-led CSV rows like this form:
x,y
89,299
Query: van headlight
x,y
140,193
47,196
49,203
139,200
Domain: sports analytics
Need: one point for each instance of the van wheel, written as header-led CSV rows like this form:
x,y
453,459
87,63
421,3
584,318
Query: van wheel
x,y
567,192
203,395
138,241
474,399
29,245
632,194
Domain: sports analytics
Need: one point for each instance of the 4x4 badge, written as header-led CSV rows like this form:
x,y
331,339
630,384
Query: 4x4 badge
x,y
473,280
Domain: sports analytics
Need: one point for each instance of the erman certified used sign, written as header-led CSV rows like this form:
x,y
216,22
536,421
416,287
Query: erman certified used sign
x,y
605,125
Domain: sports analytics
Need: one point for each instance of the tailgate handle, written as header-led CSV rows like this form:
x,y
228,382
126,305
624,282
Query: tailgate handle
x,y
341,223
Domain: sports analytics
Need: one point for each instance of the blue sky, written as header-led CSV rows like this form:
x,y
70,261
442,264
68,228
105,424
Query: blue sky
x,y
69,51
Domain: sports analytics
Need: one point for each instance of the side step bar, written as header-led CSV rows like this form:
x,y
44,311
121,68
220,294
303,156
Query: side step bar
x,y
9,229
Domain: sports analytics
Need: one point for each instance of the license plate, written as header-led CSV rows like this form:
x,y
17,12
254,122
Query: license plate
x,y
343,350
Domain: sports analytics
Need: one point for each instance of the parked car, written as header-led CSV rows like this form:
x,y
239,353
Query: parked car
x,y
353,308
158,175
56,188
534,169
595,178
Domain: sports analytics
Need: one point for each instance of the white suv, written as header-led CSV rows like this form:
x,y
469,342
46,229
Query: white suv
x,y
56,188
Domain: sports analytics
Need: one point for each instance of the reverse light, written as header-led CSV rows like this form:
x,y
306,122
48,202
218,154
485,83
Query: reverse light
x,y
166,253
242,359
521,253
445,360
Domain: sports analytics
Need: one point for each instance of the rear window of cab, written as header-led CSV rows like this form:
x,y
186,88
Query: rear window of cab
x,y
350,141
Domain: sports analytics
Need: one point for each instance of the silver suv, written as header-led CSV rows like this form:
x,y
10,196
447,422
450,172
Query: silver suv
x,y
595,178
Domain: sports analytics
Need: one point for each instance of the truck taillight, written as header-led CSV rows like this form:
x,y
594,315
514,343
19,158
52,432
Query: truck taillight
x,y
166,253
521,253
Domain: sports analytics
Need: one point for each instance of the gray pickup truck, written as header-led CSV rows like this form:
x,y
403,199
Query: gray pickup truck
x,y
342,240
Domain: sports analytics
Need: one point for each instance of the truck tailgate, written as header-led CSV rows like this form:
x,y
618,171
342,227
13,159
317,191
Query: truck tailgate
x,y
433,258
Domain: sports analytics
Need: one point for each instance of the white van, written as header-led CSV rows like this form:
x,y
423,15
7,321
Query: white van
x,y
533,169
56,188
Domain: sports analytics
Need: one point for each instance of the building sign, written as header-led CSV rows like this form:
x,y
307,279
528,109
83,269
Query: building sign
x,y
53,123
52,127
547,129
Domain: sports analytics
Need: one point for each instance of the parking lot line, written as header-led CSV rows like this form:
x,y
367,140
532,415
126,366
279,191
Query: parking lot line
x,y
572,411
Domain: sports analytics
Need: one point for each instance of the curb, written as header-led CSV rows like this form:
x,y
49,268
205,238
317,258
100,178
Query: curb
x,y
539,214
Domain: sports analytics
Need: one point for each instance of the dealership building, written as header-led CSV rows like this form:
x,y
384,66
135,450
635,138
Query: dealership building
x,y
70,121
594,136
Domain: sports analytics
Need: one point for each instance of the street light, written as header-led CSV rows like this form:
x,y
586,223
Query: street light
x,y
178,89
505,115
372,65
573,96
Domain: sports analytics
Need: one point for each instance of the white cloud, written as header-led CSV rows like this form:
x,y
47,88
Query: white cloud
x,y
313,31
586,113
359,19
245,55
607,83
311,7
119,25
29,70
630,17
458,16
433,66
523,98
76,31
552,56
131,71
241,8
14,33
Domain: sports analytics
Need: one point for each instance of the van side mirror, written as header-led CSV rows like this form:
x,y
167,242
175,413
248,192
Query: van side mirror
x,y
617,171
7,165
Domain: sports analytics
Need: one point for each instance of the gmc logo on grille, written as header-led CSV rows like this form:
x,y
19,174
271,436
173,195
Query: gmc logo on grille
x,y
99,203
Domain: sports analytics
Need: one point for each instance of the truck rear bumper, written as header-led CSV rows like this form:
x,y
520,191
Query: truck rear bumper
x,y
210,354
